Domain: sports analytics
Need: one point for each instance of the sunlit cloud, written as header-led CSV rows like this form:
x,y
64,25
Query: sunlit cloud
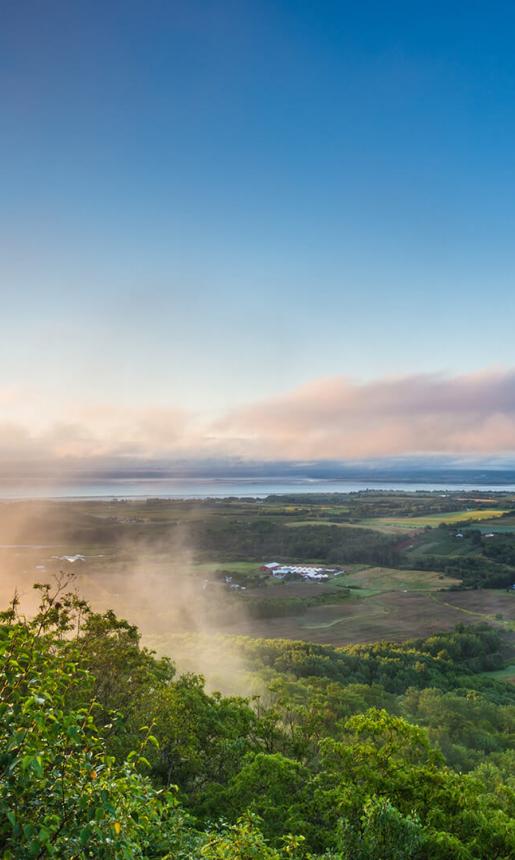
x,y
419,414
333,418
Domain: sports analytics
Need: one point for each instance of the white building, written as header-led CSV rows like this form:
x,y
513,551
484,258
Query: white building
x,y
307,572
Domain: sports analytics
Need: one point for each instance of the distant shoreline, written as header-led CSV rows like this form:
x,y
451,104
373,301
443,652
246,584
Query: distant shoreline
x,y
198,488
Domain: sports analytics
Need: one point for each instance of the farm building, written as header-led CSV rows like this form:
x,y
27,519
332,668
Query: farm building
x,y
308,572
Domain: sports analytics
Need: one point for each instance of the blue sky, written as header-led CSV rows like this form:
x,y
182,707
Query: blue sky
x,y
206,203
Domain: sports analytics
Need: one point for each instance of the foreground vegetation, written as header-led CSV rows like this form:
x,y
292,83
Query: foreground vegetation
x,y
383,751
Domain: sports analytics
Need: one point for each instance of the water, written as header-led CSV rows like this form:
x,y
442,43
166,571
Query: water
x,y
198,488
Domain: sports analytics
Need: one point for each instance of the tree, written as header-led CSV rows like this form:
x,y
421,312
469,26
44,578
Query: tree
x,y
61,795
383,832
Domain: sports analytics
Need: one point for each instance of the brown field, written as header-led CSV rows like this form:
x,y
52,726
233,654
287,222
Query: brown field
x,y
285,591
391,616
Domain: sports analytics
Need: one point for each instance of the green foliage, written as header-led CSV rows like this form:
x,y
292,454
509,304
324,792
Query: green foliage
x,y
382,832
61,794
105,752
265,785
260,537
465,726
445,660
244,841
480,563
202,739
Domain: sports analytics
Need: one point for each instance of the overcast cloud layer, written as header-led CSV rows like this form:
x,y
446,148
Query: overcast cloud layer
x,y
333,418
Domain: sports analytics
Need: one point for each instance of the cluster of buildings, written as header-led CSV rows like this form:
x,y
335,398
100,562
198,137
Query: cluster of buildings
x,y
318,574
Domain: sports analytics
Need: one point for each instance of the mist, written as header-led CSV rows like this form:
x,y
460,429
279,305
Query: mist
x,y
156,583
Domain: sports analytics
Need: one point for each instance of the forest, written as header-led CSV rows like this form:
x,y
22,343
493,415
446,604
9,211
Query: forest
x,y
394,751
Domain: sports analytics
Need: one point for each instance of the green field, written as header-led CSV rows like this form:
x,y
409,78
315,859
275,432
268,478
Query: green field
x,y
506,674
377,580
437,542
506,525
407,524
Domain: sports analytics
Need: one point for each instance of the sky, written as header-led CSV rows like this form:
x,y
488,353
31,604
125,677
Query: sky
x,y
225,225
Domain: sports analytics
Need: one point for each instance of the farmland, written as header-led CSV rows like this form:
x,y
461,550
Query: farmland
x,y
458,518
378,580
486,519
408,563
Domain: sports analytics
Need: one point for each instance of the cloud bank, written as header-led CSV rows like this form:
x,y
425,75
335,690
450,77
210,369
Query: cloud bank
x,y
327,419
419,414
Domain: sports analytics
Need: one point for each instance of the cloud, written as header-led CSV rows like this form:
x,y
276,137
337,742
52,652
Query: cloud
x,y
418,414
328,419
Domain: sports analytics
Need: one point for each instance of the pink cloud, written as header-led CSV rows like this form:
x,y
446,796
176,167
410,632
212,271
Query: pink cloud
x,y
418,414
330,418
